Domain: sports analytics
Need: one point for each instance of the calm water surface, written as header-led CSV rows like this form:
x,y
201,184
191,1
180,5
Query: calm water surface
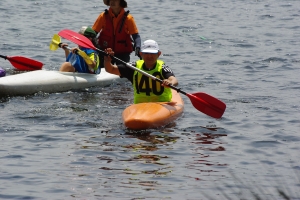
x,y
73,145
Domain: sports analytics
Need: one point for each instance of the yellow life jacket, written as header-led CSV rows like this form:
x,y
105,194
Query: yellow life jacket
x,y
148,90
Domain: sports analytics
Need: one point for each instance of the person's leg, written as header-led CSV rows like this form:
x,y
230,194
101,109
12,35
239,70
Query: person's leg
x,y
67,67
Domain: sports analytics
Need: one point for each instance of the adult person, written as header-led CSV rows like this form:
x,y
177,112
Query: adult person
x,y
146,89
117,30
77,63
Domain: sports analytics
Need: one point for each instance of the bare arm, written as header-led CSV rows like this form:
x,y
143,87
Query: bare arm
x,y
172,80
67,52
110,68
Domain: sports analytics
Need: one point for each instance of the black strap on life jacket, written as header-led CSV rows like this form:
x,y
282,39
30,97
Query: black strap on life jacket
x,y
123,20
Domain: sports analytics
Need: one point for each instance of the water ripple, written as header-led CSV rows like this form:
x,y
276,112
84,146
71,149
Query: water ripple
x,y
74,144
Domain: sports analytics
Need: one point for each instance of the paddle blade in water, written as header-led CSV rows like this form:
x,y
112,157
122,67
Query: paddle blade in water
x,y
76,38
207,104
54,42
23,63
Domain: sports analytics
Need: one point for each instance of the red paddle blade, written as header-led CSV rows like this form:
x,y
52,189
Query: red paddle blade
x,y
76,38
23,63
207,104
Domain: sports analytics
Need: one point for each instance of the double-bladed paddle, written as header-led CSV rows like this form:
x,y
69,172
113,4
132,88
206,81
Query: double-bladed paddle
x,y
203,102
56,42
23,63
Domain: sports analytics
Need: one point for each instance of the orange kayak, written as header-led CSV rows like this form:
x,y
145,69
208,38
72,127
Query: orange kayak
x,y
153,114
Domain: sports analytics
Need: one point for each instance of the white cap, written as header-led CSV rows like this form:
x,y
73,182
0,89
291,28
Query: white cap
x,y
150,46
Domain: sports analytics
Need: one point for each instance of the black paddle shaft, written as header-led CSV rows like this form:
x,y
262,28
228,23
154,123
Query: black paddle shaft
x,y
5,57
141,71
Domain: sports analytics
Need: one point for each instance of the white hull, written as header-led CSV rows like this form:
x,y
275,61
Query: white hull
x,y
51,82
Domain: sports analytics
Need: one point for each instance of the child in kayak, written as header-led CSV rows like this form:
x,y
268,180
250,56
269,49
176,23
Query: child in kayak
x,y
87,62
117,30
146,89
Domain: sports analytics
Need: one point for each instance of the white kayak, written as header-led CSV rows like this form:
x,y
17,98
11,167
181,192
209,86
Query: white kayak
x,y
52,81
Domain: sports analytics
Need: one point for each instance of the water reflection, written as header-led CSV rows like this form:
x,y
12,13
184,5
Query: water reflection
x,y
208,138
152,151
148,146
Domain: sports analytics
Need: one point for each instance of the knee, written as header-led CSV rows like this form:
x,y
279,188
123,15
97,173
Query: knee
x,y
67,67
